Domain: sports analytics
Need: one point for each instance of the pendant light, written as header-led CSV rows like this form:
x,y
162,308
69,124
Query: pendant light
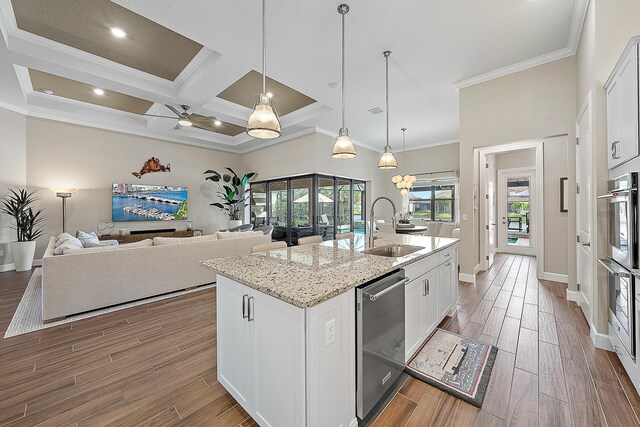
x,y
343,147
404,183
263,122
387,161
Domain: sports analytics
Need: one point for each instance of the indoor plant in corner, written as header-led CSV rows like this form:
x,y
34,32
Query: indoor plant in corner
x,y
28,226
232,191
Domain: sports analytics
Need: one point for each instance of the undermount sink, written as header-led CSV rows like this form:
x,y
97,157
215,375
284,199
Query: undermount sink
x,y
394,251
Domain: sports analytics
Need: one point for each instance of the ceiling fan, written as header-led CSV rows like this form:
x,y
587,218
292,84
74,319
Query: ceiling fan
x,y
199,121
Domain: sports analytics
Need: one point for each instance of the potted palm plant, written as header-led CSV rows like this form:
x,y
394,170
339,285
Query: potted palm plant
x,y
28,225
231,188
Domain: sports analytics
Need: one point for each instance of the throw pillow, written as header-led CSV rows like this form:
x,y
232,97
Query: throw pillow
x,y
89,240
68,245
63,238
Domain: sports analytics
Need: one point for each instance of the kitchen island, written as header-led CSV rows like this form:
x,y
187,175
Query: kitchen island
x,y
287,321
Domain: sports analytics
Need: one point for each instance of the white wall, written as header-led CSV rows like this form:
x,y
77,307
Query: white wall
x,y
515,159
312,154
13,171
531,104
91,159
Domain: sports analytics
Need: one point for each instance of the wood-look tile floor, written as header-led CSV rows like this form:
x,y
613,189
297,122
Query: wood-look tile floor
x,y
547,372
155,364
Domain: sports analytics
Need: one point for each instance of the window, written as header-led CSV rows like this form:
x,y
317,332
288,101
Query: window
x,y
433,200
305,205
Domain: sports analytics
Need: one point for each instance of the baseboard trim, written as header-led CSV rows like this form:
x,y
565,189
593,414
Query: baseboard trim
x,y
600,340
572,295
37,263
354,423
469,278
555,277
7,267
476,269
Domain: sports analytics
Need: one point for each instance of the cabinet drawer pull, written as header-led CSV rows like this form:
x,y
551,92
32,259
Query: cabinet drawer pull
x,y
447,264
614,150
244,306
447,255
250,305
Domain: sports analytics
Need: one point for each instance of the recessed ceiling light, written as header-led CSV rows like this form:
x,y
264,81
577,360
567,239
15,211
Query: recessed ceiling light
x,y
118,32
269,95
48,91
184,122
217,123
98,91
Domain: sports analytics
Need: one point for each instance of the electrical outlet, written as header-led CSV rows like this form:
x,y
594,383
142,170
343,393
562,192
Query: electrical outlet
x,y
330,331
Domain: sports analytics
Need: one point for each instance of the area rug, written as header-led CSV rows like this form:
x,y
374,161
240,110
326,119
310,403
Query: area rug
x,y
458,365
28,315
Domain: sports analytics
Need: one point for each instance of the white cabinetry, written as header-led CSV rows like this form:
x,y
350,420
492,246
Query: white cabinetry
x,y
622,108
276,360
430,318
429,296
261,354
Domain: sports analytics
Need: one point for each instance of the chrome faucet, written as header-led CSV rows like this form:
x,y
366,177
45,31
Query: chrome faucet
x,y
372,220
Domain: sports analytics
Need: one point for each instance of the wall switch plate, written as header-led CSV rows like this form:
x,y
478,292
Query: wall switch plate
x,y
464,217
330,331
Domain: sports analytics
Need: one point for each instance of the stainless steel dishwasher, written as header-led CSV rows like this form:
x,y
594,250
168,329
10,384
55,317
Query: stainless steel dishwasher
x,y
380,339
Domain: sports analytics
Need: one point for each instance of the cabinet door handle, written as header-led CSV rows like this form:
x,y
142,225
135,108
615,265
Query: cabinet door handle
x,y
428,287
251,306
614,150
424,288
244,306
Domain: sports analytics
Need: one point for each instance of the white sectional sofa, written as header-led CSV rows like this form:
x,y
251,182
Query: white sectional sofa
x,y
95,278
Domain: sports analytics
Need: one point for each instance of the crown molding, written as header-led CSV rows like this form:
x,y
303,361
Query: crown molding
x,y
515,68
433,144
580,8
14,108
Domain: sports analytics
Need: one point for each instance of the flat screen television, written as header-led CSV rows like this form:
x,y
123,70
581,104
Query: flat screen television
x,y
141,202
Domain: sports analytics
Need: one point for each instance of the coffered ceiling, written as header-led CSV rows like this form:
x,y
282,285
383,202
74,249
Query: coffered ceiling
x,y
205,56
85,25
59,86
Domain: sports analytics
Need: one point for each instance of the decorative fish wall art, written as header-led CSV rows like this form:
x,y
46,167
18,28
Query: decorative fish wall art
x,y
152,165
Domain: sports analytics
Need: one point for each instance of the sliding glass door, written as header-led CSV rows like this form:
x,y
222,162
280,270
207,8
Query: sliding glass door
x,y
359,207
344,211
315,204
259,205
279,210
302,208
326,208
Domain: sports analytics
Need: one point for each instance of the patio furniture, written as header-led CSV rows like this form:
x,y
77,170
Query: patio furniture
x,y
517,220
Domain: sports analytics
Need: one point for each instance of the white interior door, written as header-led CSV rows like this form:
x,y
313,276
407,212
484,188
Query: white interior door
x,y
516,211
584,211
492,222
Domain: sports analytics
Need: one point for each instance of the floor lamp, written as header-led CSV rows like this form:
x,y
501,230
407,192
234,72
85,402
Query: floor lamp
x,y
64,194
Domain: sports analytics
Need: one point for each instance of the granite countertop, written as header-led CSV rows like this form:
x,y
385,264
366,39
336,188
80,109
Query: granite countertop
x,y
311,274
